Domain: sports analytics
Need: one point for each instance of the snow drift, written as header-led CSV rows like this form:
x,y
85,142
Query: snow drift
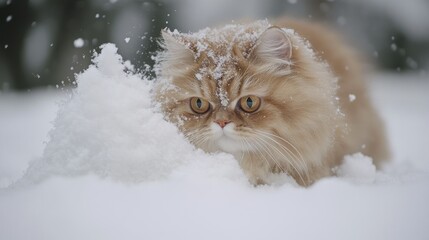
x,y
109,127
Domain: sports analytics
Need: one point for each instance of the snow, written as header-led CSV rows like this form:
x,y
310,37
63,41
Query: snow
x,y
78,43
9,18
112,168
25,120
224,38
352,97
127,39
357,168
100,130
224,100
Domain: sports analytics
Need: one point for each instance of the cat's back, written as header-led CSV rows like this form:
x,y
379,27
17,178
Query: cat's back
x,y
329,46
365,130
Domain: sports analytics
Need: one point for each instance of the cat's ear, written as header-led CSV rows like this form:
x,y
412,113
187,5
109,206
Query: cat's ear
x,y
273,49
177,56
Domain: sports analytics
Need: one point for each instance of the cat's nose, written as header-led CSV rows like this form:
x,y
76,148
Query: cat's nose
x,y
222,122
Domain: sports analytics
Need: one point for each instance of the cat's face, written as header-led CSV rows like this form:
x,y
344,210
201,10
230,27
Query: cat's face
x,y
229,119
243,95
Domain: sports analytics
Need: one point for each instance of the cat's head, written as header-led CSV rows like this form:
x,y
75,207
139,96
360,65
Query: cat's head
x,y
244,88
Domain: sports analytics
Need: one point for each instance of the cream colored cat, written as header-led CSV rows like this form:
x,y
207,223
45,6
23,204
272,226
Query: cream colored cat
x,y
287,97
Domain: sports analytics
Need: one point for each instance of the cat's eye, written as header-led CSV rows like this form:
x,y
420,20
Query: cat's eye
x,y
250,104
199,105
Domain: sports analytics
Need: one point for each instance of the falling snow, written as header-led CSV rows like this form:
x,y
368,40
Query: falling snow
x,y
78,43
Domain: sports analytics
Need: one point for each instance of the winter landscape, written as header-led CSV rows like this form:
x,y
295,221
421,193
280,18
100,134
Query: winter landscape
x,y
85,154
112,168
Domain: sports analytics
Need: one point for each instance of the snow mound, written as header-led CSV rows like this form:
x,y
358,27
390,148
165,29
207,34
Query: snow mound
x,y
109,127
357,168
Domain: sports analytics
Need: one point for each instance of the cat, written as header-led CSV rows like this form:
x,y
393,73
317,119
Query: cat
x,y
282,97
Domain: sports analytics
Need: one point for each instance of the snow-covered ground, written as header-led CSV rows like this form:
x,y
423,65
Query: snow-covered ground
x,y
113,169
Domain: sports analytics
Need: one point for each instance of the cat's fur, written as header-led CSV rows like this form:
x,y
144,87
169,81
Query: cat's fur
x,y
307,80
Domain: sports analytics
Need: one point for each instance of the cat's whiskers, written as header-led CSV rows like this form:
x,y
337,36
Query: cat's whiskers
x,y
198,137
291,163
261,144
284,140
301,158
242,152
266,137
201,141
252,146
270,154
302,170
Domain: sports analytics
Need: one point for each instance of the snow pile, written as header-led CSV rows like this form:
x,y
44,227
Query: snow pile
x,y
357,168
109,127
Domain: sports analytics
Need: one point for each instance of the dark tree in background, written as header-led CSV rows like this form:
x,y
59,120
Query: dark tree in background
x,y
67,21
15,21
37,37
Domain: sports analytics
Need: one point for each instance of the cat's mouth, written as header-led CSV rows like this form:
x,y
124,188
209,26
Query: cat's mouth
x,y
227,139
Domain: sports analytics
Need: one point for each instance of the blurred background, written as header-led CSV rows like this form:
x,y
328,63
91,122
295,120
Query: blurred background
x,y
45,42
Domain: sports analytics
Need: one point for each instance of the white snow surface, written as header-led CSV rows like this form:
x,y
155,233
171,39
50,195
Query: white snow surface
x,y
358,168
112,168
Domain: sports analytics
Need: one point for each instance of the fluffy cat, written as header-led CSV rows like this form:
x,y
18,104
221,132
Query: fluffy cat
x,y
283,97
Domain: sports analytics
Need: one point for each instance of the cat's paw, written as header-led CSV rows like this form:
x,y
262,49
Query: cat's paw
x,y
257,181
